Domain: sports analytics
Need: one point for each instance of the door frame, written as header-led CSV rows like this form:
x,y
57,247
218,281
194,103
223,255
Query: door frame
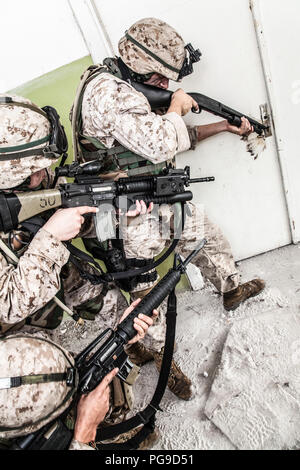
x,y
277,130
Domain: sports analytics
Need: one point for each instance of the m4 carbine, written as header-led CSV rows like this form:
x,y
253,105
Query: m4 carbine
x,y
159,98
90,190
92,368
104,354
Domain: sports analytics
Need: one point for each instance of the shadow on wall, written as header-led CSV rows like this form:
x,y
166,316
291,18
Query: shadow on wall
x,y
57,89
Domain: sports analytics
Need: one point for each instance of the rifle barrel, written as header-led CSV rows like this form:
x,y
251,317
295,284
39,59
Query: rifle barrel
x,y
192,255
202,180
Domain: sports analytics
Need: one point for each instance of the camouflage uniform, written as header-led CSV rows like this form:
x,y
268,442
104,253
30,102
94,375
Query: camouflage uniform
x,y
18,357
26,290
112,111
35,281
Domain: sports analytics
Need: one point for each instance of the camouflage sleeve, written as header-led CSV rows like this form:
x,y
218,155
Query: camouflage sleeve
x,y
75,445
183,139
113,110
35,281
193,135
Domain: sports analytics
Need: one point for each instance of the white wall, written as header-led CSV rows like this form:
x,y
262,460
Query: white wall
x,y
36,36
280,23
247,200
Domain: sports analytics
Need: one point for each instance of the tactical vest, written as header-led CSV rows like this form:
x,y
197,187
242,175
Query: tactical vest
x,y
88,148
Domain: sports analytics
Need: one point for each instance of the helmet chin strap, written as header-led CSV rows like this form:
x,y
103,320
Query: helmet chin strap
x,y
151,54
129,74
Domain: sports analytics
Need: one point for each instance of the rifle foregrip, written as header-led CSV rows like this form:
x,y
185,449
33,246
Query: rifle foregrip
x,y
185,196
235,121
149,303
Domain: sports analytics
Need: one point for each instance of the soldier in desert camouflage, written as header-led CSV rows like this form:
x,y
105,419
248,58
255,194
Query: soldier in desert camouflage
x,y
28,407
115,116
28,288
35,389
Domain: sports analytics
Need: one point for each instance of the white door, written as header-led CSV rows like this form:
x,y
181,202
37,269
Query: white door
x,y
247,200
278,31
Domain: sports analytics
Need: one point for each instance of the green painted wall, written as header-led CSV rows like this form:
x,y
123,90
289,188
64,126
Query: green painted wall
x,y
57,89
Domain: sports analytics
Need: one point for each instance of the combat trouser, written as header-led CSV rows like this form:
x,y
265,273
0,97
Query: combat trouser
x,y
147,236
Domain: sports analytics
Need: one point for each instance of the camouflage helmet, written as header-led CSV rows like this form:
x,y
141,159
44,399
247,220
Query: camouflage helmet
x,y
30,394
23,125
150,46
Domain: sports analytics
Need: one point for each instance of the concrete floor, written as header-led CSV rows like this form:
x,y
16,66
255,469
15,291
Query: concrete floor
x,y
202,329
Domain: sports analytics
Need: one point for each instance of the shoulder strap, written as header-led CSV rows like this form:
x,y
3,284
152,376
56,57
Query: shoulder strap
x,y
75,114
147,416
8,101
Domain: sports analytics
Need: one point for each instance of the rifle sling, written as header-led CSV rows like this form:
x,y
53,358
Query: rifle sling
x,y
34,224
147,416
110,277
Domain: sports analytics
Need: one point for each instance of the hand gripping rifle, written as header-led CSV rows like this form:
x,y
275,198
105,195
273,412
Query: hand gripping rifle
x,y
107,352
169,187
111,354
90,190
159,98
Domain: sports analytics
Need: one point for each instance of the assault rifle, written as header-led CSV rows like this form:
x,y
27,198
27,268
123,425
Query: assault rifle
x,y
107,352
159,98
111,354
89,190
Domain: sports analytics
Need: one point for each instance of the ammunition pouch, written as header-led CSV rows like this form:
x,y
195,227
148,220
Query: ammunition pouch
x,y
58,437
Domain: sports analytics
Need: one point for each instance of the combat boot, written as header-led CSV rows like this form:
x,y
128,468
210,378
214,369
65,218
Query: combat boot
x,y
139,354
233,299
148,443
178,382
